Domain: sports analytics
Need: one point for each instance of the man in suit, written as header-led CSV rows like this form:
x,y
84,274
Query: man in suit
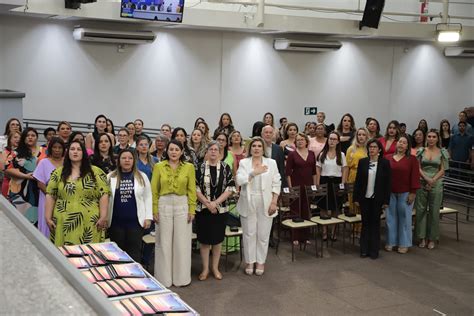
x,y
275,152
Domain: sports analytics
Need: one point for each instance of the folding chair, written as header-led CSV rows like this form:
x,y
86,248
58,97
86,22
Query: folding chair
x,y
448,210
287,197
351,220
294,195
318,193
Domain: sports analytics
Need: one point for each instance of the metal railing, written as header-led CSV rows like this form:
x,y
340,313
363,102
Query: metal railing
x,y
459,185
40,125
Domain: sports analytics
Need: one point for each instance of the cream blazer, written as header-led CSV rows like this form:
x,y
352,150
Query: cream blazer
x,y
143,197
271,183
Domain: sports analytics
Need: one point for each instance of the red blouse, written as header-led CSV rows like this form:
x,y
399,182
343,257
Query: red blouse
x,y
391,150
405,174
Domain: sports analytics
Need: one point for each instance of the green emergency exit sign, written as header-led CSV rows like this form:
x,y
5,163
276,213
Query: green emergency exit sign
x,y
310,110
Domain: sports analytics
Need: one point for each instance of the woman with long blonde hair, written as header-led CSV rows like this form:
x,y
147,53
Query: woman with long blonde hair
x,y
356,152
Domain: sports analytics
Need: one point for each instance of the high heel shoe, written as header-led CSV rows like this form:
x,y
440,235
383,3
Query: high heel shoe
x,y
203,276
249,270
217,275
259,270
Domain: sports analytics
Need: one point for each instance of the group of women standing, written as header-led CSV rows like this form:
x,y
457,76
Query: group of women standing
x,y
75,188
412,177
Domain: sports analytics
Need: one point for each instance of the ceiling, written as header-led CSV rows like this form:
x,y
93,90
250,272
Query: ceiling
x,y
322,18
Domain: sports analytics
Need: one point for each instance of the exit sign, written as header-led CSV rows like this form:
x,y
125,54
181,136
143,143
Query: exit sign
x,y
310,110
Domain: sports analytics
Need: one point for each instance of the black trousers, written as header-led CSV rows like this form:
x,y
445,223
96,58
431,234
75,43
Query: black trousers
x,y
370,234
128,238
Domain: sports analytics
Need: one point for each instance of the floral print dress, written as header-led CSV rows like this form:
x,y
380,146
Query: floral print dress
x,y
76,210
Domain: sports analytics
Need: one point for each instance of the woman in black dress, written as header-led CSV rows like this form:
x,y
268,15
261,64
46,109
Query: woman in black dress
x,y
214,185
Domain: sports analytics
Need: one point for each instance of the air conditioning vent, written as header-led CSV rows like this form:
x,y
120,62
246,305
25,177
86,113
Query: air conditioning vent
x,y
463,52
117,37
305,46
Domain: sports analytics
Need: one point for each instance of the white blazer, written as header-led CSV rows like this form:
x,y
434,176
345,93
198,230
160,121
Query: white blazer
x,y
271,183
143,197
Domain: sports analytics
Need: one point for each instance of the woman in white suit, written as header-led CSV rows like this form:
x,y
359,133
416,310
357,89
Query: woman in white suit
x,y
260,183
130,205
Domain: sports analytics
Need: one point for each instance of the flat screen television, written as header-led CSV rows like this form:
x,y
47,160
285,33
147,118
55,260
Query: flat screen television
x,y
154,10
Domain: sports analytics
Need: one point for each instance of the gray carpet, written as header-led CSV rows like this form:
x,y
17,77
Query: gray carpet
x,y
421,282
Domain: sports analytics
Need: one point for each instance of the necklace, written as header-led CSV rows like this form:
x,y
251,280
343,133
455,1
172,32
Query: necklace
x,y
213,183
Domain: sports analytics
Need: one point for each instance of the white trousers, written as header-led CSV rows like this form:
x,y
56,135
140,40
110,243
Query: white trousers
x,y
173,241
256,229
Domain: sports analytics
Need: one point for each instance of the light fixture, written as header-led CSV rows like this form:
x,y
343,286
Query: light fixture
x,y
449,32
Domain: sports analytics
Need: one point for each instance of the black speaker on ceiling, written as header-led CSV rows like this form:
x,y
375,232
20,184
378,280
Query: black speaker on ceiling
x,y
372,13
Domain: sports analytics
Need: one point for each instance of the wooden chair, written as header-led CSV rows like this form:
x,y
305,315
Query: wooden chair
x,y
289,196
318,193
229,234
351,220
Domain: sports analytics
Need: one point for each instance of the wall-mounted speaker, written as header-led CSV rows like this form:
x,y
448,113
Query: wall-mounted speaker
x,y
372,13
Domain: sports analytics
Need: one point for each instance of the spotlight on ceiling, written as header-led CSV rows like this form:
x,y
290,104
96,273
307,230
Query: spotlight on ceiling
x,y
449,32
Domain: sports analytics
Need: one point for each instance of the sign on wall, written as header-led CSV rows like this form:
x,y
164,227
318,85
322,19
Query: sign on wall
x,y
310,110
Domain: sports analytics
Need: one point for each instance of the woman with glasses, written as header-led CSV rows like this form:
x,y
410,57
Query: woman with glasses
x,y
215,184
372,194
123,137
331,168
161,141
301,171
225,154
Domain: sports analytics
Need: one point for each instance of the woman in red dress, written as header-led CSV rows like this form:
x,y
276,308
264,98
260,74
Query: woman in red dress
x,y
301,171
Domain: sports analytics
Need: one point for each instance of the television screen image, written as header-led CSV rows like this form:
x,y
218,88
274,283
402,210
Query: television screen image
x,y
155,10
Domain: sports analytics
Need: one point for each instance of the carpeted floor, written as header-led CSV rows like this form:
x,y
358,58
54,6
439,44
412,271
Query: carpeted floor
x,y
421,282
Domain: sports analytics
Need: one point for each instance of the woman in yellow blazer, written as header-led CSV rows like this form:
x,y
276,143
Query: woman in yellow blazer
x,y
173,185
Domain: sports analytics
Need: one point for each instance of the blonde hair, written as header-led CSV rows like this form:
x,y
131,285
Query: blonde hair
x,y
355,142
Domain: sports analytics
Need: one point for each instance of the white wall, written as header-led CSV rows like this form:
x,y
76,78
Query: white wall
x,y
186,74
2,58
